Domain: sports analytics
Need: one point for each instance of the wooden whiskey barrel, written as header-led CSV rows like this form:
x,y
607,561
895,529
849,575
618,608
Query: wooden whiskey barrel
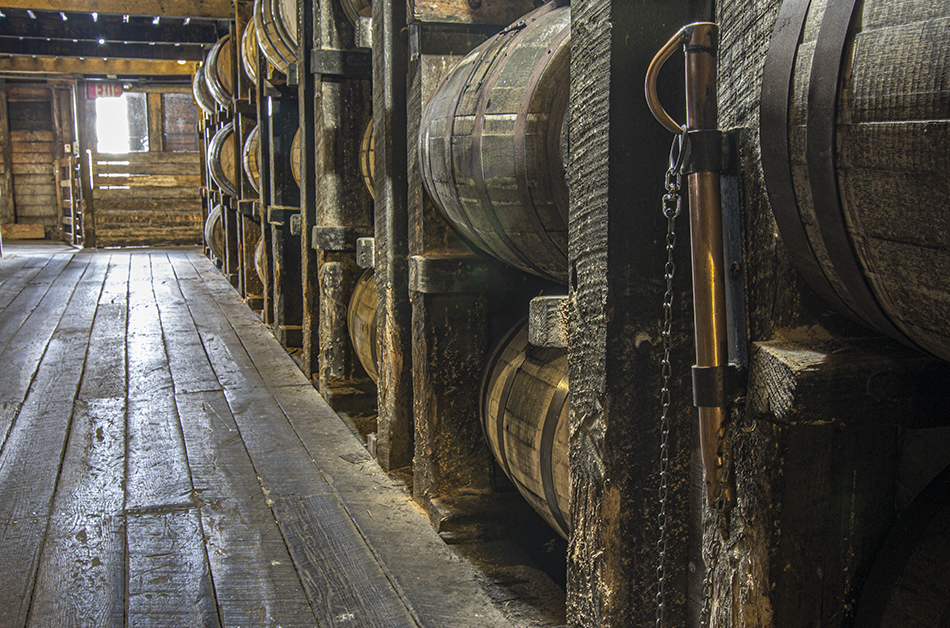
x,y
199,87
355,9
368,157
218,67
524,411
491,144
295,157
221,159
251,159
250,51
214,231
855,124
361,322
275,22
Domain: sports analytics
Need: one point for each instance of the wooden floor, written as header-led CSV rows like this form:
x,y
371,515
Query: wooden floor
x,y
164,463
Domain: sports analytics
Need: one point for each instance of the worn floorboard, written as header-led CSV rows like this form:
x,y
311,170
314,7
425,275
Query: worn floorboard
x,y
164,463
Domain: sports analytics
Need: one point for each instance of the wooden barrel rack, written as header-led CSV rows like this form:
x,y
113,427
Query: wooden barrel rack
x,y
842,126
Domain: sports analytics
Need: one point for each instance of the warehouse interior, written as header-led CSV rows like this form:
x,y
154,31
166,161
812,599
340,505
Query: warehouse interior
x,y
390,313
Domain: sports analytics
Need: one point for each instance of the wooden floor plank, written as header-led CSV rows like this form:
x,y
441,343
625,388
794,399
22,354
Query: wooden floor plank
x,y
32,454
12,277
30,334
254,577
345,583
275,368
46,296
40,271
190,369
81,578
169,581
157,468
442,591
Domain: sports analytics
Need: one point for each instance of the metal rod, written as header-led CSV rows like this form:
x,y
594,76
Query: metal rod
x,y
709,294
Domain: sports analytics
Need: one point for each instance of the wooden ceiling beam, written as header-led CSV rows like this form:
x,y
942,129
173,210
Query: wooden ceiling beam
x,y
196,33
95,67
87,49
219,9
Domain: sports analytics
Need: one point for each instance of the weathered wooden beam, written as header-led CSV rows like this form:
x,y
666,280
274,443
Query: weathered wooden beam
x,y
7,210
366,252
85,135
819,474
343,208
500,12
220,9
119,32
614,353
307,117
95,66
395,401
547,321
285,197
155,120
90,49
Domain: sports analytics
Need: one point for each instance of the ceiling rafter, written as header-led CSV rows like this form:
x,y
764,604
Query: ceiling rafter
x,y
218,9
109,31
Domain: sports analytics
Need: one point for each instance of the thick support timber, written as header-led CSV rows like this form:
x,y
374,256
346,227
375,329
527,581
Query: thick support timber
x,y
390,67
616,292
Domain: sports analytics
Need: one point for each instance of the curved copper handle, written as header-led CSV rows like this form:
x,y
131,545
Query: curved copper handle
x,y
653,73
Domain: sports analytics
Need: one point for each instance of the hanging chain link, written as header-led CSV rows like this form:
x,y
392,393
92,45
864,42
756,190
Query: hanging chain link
x,y
672,205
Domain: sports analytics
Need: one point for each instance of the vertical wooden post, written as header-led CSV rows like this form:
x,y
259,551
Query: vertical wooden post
x,y
343,210
85,134
7,207
390,68
285,201
262,101
306,91
616,290
155,119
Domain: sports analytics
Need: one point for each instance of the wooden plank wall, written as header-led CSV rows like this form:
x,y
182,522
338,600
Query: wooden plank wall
x,y
180,118
147,198
33,145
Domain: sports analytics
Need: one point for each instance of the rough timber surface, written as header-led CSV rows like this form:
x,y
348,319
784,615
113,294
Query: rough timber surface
x,y
165,463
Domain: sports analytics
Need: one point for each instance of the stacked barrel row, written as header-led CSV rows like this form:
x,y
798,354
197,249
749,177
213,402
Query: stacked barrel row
x,y
422,294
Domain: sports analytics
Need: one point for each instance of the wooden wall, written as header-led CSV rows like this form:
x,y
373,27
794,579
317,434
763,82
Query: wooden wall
x,y
153,197
36,122
147,198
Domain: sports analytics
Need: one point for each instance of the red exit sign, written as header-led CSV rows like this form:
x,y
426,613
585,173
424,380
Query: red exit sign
x,y
100,89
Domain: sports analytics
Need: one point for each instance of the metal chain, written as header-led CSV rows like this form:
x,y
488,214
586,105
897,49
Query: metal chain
x,y
672,205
